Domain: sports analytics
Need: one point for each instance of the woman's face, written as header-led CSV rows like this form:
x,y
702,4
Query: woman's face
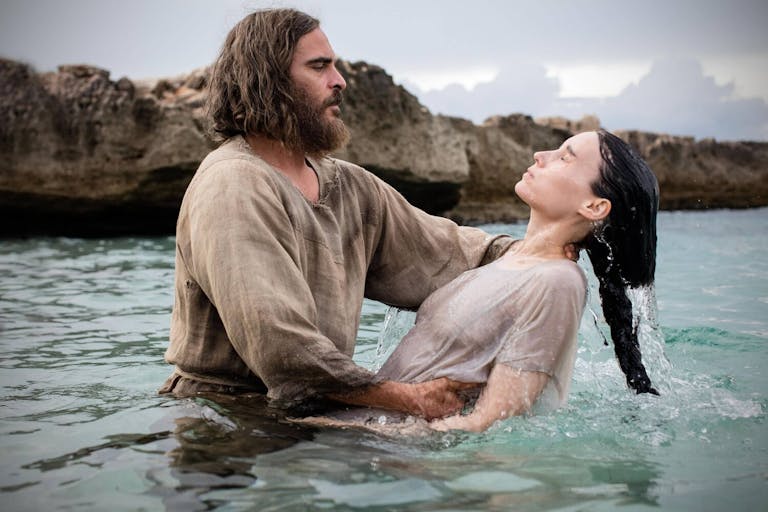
x,y
560,181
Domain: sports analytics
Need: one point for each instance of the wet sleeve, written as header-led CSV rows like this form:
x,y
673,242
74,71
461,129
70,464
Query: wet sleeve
x,y
418,253
548,325
245,257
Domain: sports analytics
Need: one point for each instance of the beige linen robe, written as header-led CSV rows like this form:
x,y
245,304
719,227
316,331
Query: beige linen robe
x,y
269,286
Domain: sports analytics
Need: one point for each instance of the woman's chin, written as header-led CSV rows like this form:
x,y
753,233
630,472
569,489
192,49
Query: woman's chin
x,y
522,192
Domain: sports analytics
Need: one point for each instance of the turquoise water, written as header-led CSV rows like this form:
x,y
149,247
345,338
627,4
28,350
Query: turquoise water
x,y
83,326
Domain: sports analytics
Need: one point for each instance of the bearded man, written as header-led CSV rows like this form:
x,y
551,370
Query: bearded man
x,y
277,244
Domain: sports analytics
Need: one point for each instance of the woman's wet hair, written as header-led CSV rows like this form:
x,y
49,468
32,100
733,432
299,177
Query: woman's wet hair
x,y
622,247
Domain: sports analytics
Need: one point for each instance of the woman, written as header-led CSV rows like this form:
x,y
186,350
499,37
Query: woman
x,y
508,329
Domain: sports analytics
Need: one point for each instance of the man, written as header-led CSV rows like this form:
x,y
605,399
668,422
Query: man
x,y
277,244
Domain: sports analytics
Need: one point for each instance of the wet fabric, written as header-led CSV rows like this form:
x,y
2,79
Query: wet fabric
x,y
269,286
525,318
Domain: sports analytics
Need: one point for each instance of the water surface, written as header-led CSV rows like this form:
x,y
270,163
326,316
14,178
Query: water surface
x,y
83,328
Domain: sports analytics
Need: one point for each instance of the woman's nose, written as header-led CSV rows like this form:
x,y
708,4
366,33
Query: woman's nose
x,y
542,158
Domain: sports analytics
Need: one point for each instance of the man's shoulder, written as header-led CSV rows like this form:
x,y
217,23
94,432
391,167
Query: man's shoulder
x,y
344,167
231,170
233,152
351,172
232,166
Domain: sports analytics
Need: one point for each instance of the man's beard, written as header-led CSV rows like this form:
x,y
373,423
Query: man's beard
x,y
317,136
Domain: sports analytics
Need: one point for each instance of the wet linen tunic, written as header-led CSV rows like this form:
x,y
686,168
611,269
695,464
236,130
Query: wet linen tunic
x,y
269,286
524,317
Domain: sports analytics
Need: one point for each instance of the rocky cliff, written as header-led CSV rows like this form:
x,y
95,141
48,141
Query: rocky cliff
x,y
705,174
81,154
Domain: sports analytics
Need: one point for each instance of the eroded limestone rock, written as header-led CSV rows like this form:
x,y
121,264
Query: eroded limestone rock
x,y
81,154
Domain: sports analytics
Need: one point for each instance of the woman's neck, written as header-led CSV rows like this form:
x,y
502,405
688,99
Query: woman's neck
x,y
547,239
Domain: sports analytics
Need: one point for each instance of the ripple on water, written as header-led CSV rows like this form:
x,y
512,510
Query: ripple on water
x,y
81,357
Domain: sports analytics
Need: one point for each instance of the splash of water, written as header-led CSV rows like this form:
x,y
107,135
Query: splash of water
x,y
397,323
645,321
596,361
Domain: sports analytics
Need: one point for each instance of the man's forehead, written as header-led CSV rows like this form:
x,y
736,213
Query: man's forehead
x,y
314,45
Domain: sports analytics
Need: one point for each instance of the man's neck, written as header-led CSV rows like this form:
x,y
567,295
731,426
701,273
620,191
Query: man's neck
x,y
275,153
291,163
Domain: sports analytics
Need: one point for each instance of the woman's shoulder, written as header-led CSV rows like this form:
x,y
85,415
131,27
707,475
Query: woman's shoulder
x,y
561,274
555,284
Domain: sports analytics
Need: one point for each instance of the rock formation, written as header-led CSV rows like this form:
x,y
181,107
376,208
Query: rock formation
x,y
83,155
705,174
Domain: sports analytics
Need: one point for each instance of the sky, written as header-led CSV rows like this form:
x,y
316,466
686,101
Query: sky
x,y
684,67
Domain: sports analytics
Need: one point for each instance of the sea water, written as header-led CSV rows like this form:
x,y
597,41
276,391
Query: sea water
x,y
84,324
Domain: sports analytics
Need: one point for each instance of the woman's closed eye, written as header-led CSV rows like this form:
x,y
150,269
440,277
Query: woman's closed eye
x,y
567,154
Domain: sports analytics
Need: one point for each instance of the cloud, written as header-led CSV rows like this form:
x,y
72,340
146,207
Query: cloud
x,y
523,87
677,97
674,97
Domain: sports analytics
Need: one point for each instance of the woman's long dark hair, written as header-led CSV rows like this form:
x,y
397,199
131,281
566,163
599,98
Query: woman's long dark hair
x,y
623,248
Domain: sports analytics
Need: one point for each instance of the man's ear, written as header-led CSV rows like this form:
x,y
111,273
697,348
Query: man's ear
x,y
595,209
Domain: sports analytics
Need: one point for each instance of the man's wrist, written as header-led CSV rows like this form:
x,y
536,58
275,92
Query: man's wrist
x,y
386,394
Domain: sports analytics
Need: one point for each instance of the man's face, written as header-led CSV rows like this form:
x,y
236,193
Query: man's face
x,y
316,89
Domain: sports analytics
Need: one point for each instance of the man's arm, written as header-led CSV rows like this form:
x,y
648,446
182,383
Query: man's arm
x,y
418,253
432,399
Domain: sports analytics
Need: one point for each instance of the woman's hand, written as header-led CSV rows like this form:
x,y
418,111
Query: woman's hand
x,y
509,392
457,422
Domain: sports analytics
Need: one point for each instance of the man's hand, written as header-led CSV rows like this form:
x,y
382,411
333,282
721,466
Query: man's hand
x,y
431,399
434,398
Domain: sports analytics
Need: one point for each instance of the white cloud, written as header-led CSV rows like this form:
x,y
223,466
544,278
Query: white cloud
x,y
430,80
597,80
519,87
675,96
749,73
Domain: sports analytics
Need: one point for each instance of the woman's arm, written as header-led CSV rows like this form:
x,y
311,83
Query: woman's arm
x,y
509,392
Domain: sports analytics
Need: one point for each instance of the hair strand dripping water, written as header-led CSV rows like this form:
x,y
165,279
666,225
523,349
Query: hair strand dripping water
x,y
621,257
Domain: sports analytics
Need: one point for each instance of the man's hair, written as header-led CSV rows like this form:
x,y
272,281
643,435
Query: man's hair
x,y
250,89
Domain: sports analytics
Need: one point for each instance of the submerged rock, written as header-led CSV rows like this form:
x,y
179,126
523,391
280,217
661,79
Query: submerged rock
x,y
81,154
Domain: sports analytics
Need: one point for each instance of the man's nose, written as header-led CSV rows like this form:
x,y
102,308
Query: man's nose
x,y
337,80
